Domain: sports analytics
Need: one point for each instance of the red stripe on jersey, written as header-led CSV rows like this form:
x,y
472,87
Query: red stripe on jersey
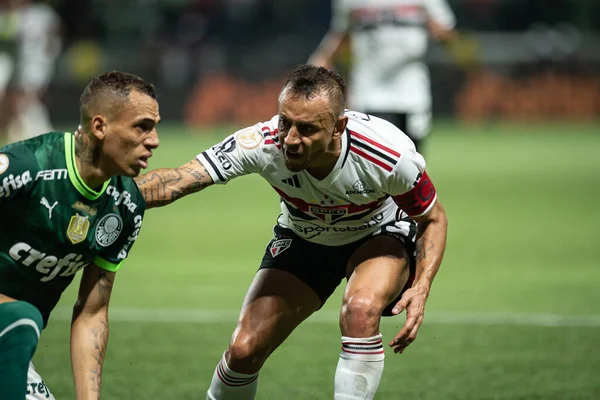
x,y
374,143
418,199
370,158
272,136
271,132
304,206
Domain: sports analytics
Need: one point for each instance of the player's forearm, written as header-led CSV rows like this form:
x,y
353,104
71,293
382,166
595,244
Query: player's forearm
x,y
160,187
163,186
89,337
328,49
430,247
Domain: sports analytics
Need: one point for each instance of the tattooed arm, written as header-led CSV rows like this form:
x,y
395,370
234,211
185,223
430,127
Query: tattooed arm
x,y
431,243
89,331
163,186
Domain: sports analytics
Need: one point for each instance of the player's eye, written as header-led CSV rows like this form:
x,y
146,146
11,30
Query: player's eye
x,y
284,124
306,129
144,126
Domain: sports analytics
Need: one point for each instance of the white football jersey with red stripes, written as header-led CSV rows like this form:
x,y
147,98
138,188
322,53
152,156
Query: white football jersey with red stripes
x,y
388,40
378,182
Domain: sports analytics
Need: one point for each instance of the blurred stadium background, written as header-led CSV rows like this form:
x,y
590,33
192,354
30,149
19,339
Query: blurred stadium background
x,y
515,310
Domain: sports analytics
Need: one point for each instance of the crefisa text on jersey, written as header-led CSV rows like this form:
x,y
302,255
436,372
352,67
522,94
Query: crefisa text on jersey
x,y
12,183
138,224
27,256
121,197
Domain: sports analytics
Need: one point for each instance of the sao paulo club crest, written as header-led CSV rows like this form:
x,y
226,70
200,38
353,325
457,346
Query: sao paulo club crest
x,y
279,246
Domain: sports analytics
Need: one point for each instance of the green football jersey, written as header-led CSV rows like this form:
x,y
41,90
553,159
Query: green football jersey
x,y
53,224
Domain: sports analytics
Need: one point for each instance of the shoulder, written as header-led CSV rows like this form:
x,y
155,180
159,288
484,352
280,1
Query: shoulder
x,y
377,141
385,152
127,196
260,140
268,133
20,163
30,154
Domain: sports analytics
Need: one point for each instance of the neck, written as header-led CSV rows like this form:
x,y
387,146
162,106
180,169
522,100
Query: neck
x,y
87,160
324,165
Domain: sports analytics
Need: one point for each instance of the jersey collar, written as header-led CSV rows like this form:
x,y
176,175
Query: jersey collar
x,y
74,176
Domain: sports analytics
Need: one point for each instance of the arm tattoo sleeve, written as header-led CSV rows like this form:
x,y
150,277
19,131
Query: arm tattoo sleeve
x,y
99,333
163,186
423,246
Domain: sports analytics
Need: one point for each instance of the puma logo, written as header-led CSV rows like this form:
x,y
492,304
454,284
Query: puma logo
x,y
45,203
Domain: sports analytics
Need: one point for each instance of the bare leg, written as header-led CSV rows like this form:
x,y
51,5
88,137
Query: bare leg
x,y
378,271
276,303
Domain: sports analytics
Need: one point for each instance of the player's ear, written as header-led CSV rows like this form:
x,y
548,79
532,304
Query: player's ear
x,y
98,126
340,126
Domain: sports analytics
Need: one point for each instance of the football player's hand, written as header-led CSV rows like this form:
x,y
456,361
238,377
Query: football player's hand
x,y
413,301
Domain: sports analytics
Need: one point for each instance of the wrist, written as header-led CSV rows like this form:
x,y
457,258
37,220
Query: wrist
x,y
423,285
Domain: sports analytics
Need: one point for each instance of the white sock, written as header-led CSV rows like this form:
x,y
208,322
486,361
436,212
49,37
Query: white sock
x,y
229,385
359,369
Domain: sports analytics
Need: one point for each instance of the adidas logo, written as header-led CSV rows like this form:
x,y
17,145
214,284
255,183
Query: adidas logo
x,y
293,181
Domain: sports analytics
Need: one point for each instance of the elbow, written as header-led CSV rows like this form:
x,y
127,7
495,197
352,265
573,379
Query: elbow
x,y
89,314
441,219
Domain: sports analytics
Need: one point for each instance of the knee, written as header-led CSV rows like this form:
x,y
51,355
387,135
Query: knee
x,y
360,314
246,353
22,323
22,313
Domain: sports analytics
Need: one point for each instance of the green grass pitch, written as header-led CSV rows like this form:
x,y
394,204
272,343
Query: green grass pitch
x,y
514,312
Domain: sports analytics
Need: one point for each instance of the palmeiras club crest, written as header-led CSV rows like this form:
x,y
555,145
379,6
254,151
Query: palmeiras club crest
x,y
108,230
279,246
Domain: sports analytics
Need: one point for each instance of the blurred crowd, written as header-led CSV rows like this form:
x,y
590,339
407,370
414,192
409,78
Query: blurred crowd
x,y
191,21
185,46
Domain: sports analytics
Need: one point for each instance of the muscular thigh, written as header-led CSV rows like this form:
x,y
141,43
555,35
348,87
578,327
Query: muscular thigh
x,y
321,268
382,267
294,280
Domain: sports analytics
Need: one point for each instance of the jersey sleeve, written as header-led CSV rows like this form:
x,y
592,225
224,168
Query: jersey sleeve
x,y
112,258
410,186
18,167
246,151
340,16
440,12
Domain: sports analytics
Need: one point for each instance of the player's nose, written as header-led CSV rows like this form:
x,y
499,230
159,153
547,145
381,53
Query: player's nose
x,y
152,140
292,138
